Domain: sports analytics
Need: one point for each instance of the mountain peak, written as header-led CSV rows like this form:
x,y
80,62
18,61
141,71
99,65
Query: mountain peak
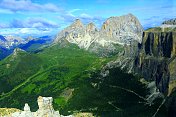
x,y
122,28
115,30
77,23
18,50
91,27
130,14
91,24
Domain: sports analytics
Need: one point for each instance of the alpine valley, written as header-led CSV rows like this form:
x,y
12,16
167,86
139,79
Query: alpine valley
x,y
118,70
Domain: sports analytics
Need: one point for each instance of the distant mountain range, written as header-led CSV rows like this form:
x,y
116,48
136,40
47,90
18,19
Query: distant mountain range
x,y
9,43
4,52
2,38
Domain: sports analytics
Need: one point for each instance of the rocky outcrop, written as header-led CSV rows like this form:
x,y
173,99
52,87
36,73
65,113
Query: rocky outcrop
x,y
115,30
155,55
8,111
170,22
45,109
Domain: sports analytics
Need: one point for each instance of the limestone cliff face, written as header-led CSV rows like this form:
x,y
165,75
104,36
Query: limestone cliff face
x,y
159,44
156,58
115,30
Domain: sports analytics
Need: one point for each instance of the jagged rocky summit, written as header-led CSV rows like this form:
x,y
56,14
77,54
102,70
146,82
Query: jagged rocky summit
x,y
45,109
170,22
115,30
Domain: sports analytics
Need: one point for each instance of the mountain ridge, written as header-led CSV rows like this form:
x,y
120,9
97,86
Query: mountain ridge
x,y
114,31
170,22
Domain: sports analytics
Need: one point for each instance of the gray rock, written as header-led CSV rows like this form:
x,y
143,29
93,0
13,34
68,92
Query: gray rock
x,y
155,60
115,30
170,22
27,108
45,109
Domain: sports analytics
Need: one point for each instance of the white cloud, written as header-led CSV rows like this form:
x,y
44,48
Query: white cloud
x,y
24,32
73,10
84,15
33,23
27,5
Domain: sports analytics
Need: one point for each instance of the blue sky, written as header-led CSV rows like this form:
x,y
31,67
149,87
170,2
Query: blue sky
x,y
60,13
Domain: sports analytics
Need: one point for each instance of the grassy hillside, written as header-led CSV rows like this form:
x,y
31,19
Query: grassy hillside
x,y
71,76
15,69
45,73
118,95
